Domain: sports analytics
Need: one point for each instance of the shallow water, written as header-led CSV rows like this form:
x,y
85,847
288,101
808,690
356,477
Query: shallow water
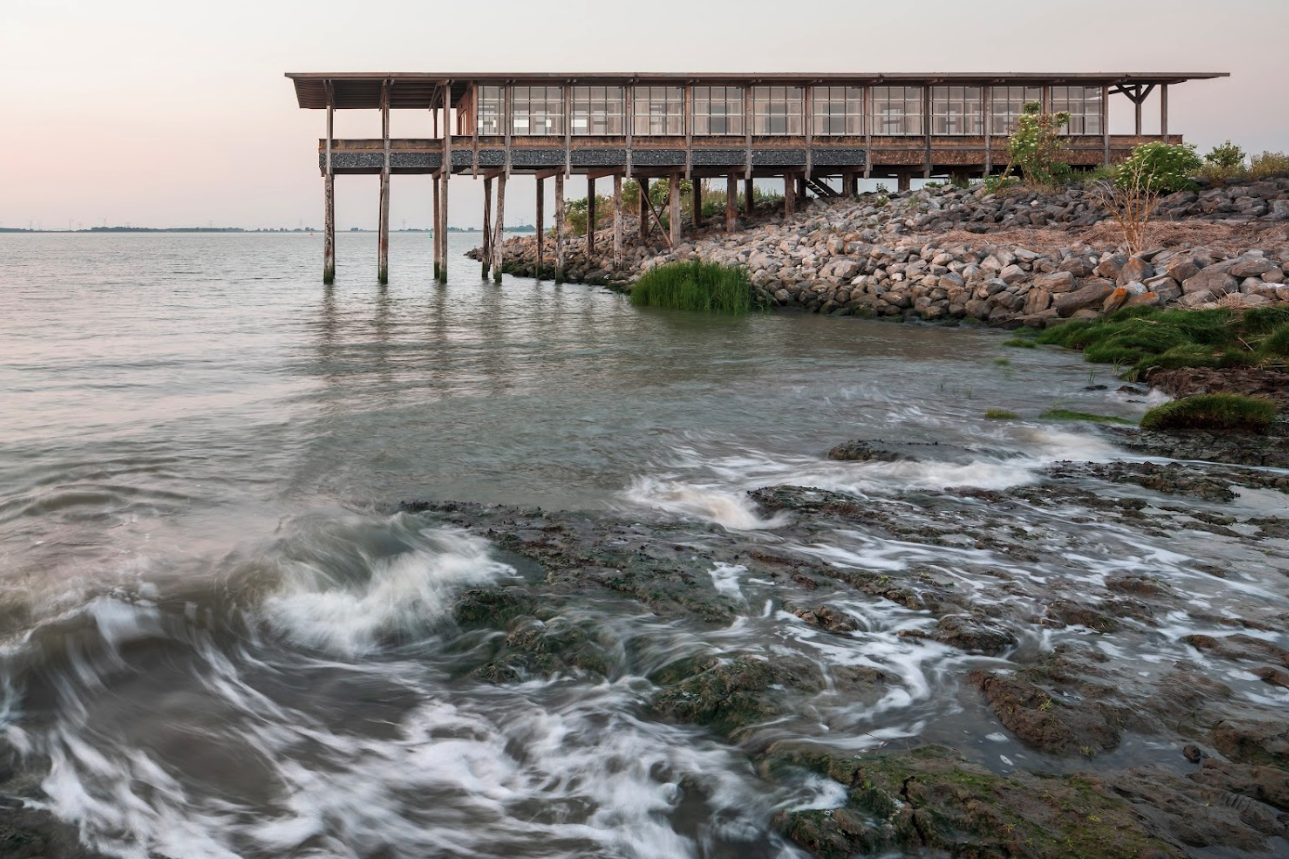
x,y
219,641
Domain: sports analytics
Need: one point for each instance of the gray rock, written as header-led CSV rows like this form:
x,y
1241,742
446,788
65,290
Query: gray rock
x,y
1057,281
1211,280
1196,299
1092,295
1135,269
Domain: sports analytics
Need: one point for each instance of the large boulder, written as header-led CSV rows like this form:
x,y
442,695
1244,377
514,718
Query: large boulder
x,y
1092,294
1136,270
1250,267
1057,281
1211,280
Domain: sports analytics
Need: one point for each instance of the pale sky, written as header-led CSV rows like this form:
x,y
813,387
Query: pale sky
x,y
176,114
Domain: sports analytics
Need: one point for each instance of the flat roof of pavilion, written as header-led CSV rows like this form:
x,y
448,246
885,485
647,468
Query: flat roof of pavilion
x,y
420,90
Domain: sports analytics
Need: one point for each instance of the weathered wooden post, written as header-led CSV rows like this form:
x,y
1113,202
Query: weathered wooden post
x,y
487,226
499,230
329,192
697,202
673,208
437,219
541,226
617,221
789,195
590,217
447,172
559,228
382,261
749,196
1163,111
645,226
731,202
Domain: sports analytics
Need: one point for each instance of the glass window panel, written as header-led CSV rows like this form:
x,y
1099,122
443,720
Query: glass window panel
x,y
777,110
897,110
718,110
597,111
659,110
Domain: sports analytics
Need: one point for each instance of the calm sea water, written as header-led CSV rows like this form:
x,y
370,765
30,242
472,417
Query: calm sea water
x,y
195,430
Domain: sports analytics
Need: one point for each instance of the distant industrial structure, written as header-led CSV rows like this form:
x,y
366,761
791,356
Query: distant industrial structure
x,y
807,129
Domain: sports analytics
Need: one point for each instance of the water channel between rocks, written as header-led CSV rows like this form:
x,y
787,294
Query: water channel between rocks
x,y
224,635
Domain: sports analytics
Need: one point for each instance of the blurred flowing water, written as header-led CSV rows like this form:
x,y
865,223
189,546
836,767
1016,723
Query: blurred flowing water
x,y
216,640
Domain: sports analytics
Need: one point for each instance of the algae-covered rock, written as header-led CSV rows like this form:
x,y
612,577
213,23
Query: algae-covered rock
x,y
730,694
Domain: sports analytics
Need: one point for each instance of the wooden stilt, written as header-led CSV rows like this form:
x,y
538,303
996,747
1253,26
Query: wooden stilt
x,y
590,217
499,231
696,202
329,214
789,196
447,172
673,208
382,261
731,202
617,221
541,226
1163,111
437,227
644,209
559,228
904,180
749,197
487,227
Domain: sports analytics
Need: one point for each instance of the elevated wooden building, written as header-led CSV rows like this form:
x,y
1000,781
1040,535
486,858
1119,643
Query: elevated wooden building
x,y
818,132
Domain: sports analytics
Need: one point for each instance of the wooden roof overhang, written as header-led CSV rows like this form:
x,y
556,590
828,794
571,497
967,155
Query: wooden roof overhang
x,y
422,90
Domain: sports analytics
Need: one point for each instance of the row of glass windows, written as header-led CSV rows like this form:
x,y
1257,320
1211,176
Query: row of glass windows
x,y
778,110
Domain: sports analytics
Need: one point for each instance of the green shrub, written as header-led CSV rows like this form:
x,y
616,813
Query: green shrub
x,y
1019,343
1159,168
1226,156
1000,415
695,285
1067,415
1268,164
1036,144
1220,412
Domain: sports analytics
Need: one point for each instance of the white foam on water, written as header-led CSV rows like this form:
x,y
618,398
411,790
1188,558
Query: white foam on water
x,y
725,578
730,509
400,596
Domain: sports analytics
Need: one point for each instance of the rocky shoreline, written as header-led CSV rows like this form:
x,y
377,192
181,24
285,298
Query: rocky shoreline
x,y
1008,259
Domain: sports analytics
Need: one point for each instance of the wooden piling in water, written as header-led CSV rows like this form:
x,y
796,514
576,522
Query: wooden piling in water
x,y
382,254
590,217
499,230
731,203
437,226
559,228
541,225
617,221
487,226
329,193
447,173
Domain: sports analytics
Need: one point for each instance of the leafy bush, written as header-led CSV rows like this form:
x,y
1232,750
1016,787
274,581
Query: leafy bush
x,y
695,285
1159,168
1221,412
1268,164
1036,144
1226,155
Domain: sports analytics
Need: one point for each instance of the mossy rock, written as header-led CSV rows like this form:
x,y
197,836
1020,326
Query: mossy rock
x,y
494,607
732,694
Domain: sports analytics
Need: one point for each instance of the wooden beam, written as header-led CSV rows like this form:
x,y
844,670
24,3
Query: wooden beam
x,y
617,221
559,228
1163,112
499,230
590,218
603,174
657,219
541,225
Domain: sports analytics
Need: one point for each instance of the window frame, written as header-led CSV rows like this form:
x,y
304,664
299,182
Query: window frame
x,y
669,122
956,112
841,106
611,119
911,122
765,116
549,113
731,117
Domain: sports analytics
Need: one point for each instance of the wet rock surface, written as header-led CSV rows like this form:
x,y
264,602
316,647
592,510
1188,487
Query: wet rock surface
x,y
1042,655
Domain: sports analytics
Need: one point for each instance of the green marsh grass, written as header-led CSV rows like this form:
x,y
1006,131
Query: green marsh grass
x,y
1221,412
1000,415
696,285
1068,415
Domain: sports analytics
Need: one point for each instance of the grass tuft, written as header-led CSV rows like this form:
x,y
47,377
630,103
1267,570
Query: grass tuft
x,y
1000,415
696,285
1220,412
1020,343
1067,415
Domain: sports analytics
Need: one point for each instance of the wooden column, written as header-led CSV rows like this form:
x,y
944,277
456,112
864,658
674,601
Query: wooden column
x,y
507,119
567,90
499,230
747,129
808,125
789,195
629,120
696,202
487,227
1105,123
437,226
382,262
559,228
731,202
474,129
673,208
590,217
926,126
904,178
447,172
643,181
868,131
749,196
617,221
688,126
541,225
329,203
1163,111
1136,101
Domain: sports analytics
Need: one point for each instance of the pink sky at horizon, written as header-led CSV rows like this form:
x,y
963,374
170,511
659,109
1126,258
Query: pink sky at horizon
x,y
162,114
